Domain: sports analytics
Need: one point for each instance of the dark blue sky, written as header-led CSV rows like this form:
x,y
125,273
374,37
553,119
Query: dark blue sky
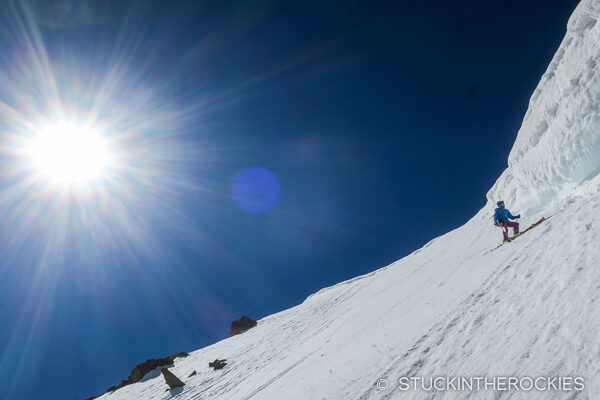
x,y
384,123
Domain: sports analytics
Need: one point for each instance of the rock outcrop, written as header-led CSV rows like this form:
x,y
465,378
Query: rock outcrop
x,y
171,379
142,369
241,325
217,364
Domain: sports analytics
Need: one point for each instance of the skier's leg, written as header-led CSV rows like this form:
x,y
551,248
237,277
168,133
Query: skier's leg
x,y
504,230
514,225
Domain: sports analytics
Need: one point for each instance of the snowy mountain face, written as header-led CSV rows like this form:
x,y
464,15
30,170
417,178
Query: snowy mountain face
x,y
558,146
454,308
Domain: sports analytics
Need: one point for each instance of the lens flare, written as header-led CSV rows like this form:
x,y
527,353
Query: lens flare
x,y
255,190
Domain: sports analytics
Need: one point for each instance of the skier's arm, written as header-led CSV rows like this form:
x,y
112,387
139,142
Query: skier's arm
x,y
512,216
496,216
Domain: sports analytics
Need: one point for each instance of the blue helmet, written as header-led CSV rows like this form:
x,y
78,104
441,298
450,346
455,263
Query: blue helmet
x,y
500,202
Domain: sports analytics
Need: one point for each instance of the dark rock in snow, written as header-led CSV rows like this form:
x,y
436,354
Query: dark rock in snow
x,y
171,379
241,325
192,374
218,364
142,369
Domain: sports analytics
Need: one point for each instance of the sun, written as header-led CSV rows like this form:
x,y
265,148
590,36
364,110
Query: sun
x,y
69,153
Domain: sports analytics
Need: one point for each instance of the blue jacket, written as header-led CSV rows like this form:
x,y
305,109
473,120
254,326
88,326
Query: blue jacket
x,y
502,215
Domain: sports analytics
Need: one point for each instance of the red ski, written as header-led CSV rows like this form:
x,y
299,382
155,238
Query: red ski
x,y
514,237
531,227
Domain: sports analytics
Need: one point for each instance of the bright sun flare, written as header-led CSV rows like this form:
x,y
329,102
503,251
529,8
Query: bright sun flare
x,y
69,153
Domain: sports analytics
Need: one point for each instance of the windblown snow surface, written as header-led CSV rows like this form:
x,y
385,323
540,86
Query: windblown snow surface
x,y
530,308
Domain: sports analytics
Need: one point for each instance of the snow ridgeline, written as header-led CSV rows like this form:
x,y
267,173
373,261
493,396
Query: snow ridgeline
x,y
558,145
453,308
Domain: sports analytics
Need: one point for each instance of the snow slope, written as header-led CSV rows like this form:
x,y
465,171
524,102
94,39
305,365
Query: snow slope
x,y
453,308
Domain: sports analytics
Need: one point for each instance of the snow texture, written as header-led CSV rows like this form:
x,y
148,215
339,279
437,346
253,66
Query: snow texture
x,y
558,145
454,307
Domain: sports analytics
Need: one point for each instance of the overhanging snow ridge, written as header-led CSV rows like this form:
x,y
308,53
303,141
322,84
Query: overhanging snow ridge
x,y
558,144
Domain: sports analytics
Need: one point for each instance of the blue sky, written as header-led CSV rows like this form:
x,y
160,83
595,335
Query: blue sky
x,y
363,131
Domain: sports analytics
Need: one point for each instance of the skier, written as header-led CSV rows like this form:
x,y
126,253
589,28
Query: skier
x,y
501,219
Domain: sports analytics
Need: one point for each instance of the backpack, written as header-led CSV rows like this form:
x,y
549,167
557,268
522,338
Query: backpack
x,y
500,217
